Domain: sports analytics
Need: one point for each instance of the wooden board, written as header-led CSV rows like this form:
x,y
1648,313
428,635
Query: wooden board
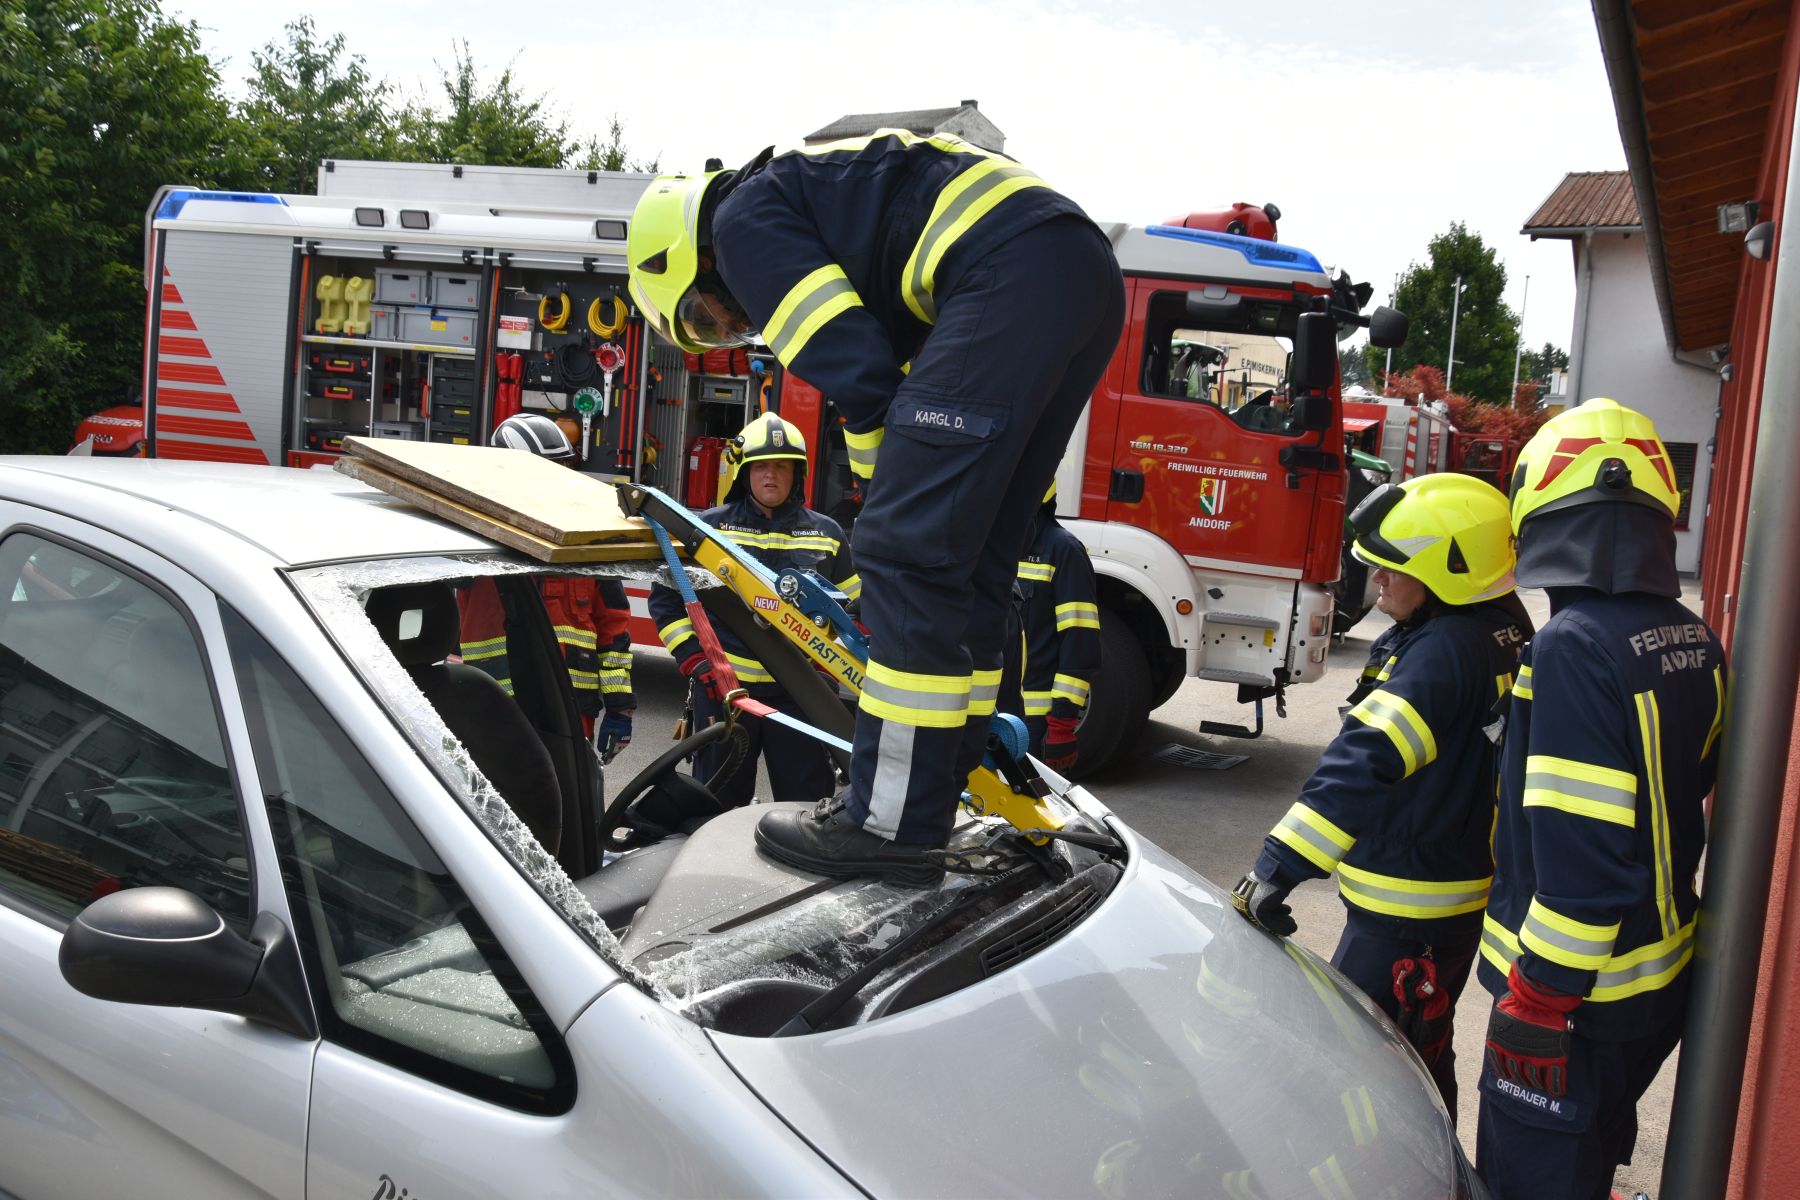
x,y
489,527
518,489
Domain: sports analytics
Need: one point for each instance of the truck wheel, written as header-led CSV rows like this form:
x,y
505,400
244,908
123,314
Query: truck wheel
x,y
1119,705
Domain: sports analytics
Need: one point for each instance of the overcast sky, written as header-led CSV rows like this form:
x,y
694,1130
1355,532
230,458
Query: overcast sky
x,y
1372,126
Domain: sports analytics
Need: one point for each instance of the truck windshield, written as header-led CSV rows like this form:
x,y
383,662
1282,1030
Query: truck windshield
x,y
1236,363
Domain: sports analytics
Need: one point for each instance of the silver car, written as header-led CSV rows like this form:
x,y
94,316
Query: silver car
x,y
295,903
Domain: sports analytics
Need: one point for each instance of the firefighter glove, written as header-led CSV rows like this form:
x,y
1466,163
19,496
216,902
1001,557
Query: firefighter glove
x,y
696,667
1424,1007
613,735
1528,1035
1059,744
1264,904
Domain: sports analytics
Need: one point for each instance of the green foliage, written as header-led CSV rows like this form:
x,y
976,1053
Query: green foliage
x,y
1538,364
1486,329
101,103
311,100
487,122
610,155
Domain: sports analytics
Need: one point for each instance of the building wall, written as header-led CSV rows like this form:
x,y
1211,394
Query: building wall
x,y
972,127
1626,357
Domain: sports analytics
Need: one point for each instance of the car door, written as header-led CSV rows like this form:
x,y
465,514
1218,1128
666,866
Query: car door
x,y
123,763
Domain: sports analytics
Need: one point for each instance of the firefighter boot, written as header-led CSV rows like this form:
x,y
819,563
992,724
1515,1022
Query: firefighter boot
x,y
828,841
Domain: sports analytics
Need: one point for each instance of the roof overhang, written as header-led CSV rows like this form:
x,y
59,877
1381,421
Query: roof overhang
x,y
1694,89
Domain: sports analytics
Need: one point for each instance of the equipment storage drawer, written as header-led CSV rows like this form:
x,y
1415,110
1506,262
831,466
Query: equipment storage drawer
x,y
456,437
449,415
450,366
450,389
384,323
429,327
394,286
331,387
332,360
412,431
455,291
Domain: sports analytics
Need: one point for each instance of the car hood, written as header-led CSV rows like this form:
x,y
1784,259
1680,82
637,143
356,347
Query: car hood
x,y
1162,1047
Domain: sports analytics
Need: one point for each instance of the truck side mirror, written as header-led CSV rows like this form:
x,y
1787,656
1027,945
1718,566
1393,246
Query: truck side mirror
x,y
1387,327
1314,360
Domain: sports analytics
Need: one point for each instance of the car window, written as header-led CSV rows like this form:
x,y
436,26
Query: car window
x,y
402,967
112,766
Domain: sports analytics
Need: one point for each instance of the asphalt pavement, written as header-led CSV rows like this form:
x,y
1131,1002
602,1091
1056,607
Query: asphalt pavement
x,y
1215,820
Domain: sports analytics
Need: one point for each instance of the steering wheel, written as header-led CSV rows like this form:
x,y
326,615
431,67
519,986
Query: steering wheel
x,y
644,780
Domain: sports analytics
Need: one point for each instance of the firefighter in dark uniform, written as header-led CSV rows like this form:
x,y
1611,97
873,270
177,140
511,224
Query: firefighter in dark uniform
x,y
958,311
1061,635
590,615
1402,802
1612,744
765,513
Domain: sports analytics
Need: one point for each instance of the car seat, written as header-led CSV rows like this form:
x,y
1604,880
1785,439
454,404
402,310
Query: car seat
x,y
421,624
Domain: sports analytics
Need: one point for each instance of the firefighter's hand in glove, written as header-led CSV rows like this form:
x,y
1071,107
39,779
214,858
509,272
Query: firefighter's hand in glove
x,y
696,667
613,735
1264,904
1059,743
1528,1035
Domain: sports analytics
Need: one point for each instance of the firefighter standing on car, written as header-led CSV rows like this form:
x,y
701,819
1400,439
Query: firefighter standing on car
x,y
590,616
958,312
764,513
1402,802
1061,636
1611,748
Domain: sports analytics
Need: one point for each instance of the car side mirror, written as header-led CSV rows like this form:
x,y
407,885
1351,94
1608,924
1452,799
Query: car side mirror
x,y
1387,327
167,947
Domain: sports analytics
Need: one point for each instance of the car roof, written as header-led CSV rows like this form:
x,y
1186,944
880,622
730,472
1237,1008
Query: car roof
x,y
294,516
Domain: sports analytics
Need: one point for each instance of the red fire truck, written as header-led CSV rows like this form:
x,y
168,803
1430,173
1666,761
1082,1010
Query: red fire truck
x,y
426,301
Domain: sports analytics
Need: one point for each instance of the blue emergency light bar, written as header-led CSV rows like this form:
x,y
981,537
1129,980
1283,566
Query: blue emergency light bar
x,y
1256,251
176,200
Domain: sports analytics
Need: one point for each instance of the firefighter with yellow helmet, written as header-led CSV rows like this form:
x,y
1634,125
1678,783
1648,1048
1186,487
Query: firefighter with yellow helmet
x,y
1612,745
853,258
1402,801
765,513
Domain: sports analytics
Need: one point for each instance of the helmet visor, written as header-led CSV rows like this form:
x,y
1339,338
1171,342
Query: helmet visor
x,y
710,319
1366,521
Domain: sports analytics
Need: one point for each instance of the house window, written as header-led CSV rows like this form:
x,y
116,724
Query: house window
x,y
1683,454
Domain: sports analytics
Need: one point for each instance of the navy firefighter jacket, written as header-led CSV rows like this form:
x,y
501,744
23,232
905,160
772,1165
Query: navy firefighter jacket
x,y
1402,801
794,536
1061,619
1611,749
840,253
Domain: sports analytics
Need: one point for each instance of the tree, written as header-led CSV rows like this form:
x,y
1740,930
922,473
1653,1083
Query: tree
x,y
1539,364
595,155
101,103
309,100
1486,329
486,123
1354,368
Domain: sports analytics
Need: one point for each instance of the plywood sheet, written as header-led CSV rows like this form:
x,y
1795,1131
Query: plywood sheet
x,y
513,487
491,527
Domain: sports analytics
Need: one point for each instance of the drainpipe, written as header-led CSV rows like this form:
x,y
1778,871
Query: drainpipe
x,y
1759,717
1578,359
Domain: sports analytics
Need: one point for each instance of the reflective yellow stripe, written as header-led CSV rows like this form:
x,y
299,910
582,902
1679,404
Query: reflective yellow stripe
x,y
1037,704
676,632
748,670
1522,688
963,201
1392,715
1077,614
1584,789
485,648
1718,724
1421,898
587,681
1503,684
1037,572
851,587
1650,729
771,540
984,691
1071,688
1312,837
1644,969
926,701
863,448
570,635
1566,941
1387,668
809,304
1499,945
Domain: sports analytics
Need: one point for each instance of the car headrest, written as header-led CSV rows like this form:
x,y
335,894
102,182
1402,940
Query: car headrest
x,y
419,622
